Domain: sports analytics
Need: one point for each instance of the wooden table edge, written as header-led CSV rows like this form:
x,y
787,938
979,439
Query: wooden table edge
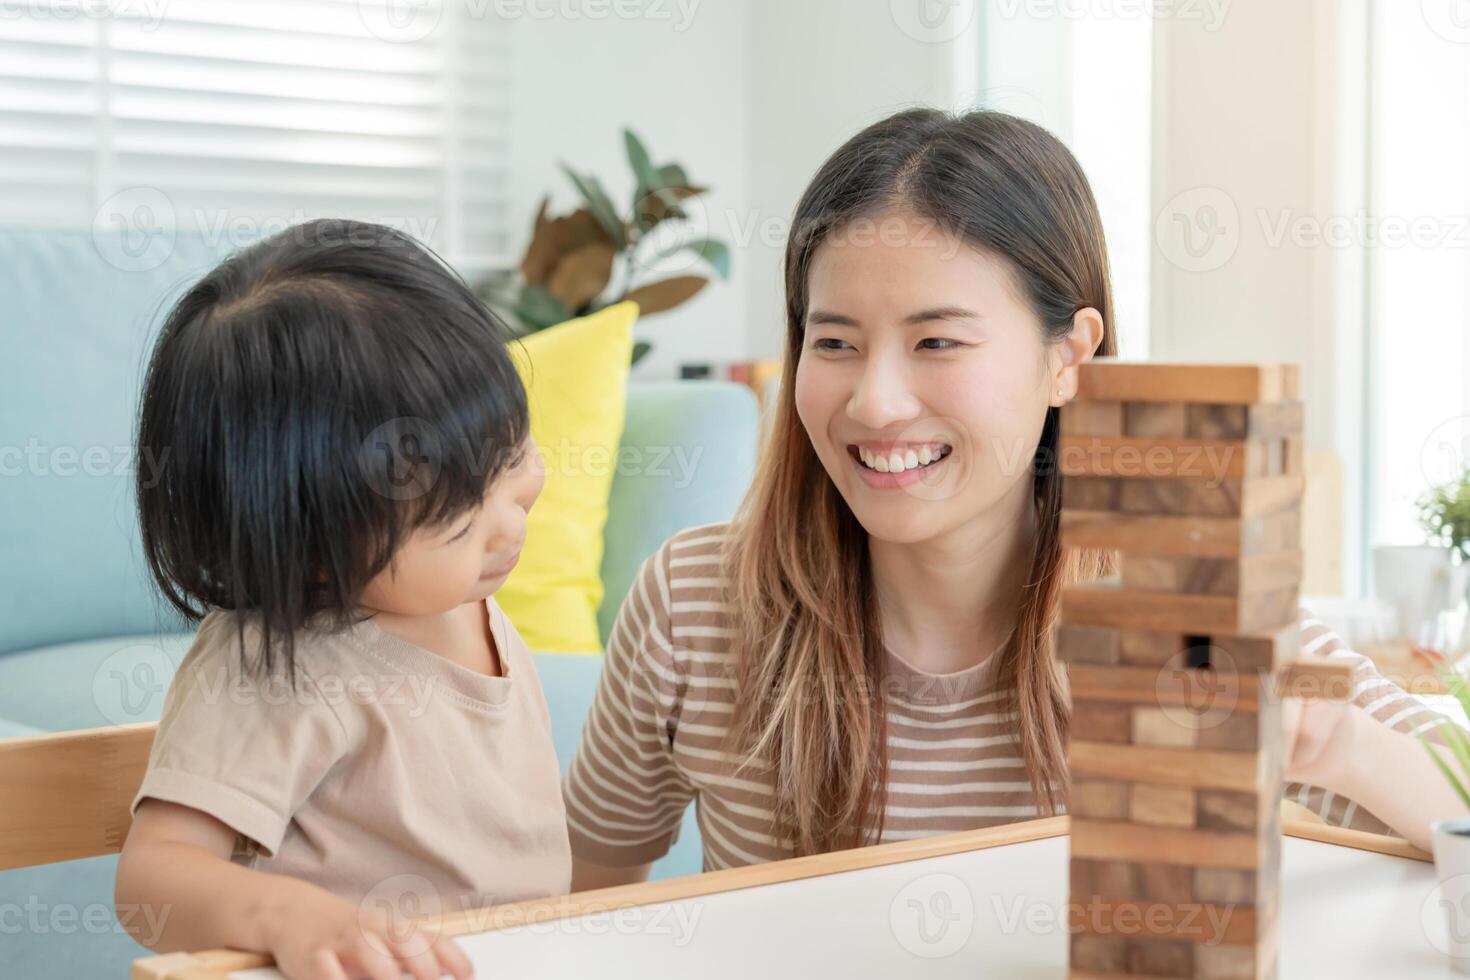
x,y
217,964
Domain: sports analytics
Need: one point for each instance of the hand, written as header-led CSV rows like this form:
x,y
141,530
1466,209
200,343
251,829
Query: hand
x,y
318,936
1317,740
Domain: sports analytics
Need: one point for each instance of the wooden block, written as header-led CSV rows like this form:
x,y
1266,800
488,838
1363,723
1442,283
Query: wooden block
x,y
1093,878
1295,456
1197,537
1170,806
1197,768
1122,841
1263,420
1251,497
1156,726
1105,954
1101,721
1101,799
1237,731
1117,379
1257,650
1151,648
1092,493
1170,458
1269,570
1160,958
1163,687
1105,604
1164,882
1232,810
1077,644
1188,922
1150,420
1092,418
1228,886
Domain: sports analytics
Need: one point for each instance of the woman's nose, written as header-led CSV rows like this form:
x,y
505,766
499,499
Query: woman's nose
x,y
883,396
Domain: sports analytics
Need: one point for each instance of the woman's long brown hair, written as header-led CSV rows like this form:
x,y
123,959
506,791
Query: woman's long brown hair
x,y
807,638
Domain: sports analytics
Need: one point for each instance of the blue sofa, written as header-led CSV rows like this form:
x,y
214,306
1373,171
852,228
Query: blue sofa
x,y
84,639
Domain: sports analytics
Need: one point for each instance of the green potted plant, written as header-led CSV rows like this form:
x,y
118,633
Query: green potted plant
x,y
1427,583
1452,836
597,255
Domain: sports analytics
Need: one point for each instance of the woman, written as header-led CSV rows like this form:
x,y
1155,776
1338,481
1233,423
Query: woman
x,y
864,653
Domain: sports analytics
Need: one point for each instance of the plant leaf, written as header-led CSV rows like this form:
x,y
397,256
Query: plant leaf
x,y
666,293
581,274
712,250
639,160
539,309
1459,787
655,206
671,175
600,206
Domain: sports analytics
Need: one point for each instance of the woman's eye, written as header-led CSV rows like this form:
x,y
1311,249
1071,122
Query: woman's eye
x,y
939,343
829,343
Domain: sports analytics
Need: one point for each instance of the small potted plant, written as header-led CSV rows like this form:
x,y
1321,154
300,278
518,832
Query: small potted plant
x,y
1428,583
1452,836
596,256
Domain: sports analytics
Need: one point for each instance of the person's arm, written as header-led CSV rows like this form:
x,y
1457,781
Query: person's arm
x,y
625,791
1361,763
587,876
1343,748
175,867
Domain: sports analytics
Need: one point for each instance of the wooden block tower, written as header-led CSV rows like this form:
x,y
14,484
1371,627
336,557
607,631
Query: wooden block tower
x,y
1193,475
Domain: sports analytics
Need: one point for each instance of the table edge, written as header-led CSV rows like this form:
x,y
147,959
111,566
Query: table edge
x,y
219,963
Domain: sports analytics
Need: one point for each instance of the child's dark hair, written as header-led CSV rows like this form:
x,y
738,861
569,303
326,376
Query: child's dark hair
x,y
315,399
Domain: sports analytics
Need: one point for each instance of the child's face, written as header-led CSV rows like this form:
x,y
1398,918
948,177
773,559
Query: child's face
x,y
438,569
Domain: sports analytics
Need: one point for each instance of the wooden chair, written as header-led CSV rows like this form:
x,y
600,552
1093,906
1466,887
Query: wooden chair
x,y
66,795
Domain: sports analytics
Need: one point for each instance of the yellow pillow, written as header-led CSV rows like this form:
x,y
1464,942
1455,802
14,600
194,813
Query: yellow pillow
x,y
576,377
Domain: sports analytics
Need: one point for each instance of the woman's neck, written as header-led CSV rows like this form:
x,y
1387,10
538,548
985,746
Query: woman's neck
x,y
948,603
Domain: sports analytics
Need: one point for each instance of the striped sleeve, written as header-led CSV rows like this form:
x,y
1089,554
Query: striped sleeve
x,y
625,795
1381,698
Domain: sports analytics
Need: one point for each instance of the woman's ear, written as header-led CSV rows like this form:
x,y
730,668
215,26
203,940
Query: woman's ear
x,y
1073,350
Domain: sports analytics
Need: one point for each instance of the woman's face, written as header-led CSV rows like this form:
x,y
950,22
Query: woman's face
x,y
923,380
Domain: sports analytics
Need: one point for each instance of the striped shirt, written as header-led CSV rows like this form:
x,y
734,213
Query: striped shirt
x,y
655,737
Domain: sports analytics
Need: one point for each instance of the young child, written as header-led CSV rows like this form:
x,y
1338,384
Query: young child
x,y
358,732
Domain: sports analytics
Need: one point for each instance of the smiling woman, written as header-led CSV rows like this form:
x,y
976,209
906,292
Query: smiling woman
x,y
865,654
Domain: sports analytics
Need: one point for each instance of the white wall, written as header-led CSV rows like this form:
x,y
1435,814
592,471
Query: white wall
x,y
1254,138
684,89
822,70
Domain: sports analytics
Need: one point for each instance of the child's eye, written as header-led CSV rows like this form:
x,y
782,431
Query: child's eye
x,y
462,533
940,342
515,464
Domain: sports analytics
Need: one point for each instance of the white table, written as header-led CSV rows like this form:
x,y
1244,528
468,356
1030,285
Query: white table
x,y
995,912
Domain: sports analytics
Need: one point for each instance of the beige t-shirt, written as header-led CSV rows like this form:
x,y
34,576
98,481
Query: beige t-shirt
x,y
390,773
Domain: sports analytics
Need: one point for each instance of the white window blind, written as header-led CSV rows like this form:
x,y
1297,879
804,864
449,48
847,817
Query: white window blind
x,y
239,117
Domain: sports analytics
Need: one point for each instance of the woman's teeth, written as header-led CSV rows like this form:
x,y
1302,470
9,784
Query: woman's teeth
x,y
898,462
